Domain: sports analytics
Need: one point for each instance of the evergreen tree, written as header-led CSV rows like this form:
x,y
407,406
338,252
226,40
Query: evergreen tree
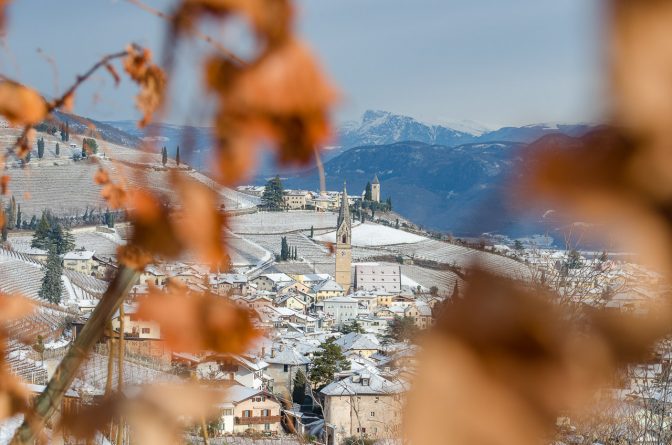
x,y
396,224
353,326
11,213
327,362
58,149
284,249
177,156
456,292
109,219
41,235
61,238
89,145
312,231
373,213
40,148
52,286
33,222
574,259
4,232
164,156
18,216
67,131
389,204
299,387
517,245
401,329
271,199
367,192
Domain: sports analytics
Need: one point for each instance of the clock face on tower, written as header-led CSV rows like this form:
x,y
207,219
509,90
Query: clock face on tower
x,y
342,252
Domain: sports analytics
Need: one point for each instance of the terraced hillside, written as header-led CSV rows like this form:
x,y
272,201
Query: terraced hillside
x,y
67,188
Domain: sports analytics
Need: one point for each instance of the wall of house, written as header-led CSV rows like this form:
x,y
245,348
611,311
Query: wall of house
x,y
256,406
138,328
283,380
352,416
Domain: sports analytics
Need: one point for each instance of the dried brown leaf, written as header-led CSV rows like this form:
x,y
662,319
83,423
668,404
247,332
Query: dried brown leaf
x,y
21,105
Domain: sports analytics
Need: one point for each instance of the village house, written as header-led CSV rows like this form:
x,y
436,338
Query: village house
x,y
245,370
229,282
247,409
80,261
272,281
342,309
283,363
372,324
294,301
360,344
135,327
295,199
365,404
152,275
327,289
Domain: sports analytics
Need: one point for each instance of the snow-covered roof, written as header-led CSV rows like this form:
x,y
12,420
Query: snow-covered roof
x,y
286,355
353,340
278,277
239,393
328,286
79,255
339,300
364,383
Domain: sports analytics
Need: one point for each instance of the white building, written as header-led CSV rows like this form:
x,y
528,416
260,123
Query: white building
x,y
378,278
342,309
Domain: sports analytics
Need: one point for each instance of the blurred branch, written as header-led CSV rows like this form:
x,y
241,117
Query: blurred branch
x,y
49,401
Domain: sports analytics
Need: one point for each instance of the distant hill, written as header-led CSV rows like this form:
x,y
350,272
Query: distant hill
x,y
459,189
93,128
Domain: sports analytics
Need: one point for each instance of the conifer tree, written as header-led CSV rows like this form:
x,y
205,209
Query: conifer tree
x,y
271,199
164,156
312,231
67,131
177,156
367,192
11,213
52,286
40,148
58,149
299,387
396,224
4,232
33,222
61,238
41,235
18,216
329,360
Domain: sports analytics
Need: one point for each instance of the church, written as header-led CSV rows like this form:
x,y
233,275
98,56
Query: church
x,y
343,273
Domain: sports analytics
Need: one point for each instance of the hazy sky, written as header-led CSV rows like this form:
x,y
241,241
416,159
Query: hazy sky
x,y
493,61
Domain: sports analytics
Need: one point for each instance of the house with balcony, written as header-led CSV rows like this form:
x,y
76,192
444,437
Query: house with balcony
x,y
245,410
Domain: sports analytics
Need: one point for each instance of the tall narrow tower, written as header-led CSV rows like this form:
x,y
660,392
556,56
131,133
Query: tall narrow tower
x,y
375,189
343,244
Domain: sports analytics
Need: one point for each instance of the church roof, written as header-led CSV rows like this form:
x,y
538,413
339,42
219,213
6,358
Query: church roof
x,y
375,180
344,212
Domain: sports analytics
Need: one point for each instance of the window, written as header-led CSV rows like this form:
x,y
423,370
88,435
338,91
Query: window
x,y
228,412
285,368
267,427
265,412
373,414
247,413
145,330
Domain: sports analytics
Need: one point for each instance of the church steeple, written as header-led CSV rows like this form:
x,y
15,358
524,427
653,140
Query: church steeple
x,y
344,212
343,270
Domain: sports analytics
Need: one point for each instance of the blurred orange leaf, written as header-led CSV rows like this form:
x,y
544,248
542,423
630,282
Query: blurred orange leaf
x,y
21,105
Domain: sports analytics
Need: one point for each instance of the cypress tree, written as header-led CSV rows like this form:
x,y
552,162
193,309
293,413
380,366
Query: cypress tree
x,y
67,131
58,149
33,222
61,238
367,192
299,387
52,286
311,231
4,232
18,217
177,156
164,156
40,148
11,213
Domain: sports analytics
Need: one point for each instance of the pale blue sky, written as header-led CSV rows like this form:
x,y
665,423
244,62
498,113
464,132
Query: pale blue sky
x,y
494,61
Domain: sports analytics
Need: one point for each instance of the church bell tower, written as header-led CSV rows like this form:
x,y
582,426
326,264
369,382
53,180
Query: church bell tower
x,y
343,273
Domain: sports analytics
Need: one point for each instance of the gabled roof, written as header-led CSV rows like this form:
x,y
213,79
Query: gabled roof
x,y
328,286
239,393
79,255
278,277
354,340
286,356
375,180
364,383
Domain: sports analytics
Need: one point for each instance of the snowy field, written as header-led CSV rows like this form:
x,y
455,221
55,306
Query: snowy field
x,y
282,222
369,234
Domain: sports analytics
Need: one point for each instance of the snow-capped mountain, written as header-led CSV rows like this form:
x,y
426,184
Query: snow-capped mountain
x,y
382,127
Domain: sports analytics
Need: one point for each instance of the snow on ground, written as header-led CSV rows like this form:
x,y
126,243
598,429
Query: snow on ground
x,y
8,427
282,222
368,234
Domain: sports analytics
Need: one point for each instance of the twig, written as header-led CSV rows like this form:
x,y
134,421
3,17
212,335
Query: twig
x,y
49,401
